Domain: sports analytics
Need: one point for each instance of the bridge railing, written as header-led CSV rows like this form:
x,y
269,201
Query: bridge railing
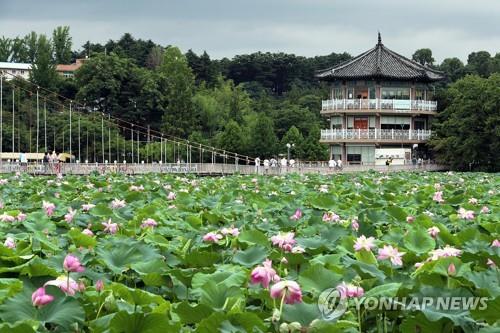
x,y
200,168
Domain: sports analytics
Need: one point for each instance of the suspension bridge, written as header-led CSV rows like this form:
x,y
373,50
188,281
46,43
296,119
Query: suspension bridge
x,y
81,136
89,141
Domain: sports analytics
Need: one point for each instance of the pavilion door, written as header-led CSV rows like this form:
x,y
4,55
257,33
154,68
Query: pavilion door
x,y
360,122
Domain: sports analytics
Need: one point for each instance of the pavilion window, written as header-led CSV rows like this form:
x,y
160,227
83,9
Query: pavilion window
x,y
371,92
395,93
336,122
350,93
395,122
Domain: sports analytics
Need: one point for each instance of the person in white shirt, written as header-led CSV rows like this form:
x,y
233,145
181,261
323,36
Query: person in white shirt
x,y
339,164
292,162
257,164
332,164
266,165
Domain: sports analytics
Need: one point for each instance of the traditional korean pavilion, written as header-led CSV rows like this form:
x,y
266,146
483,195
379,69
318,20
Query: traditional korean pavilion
x,y
380,107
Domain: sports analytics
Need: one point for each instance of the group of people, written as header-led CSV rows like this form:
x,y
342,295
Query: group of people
x,y
273,163
335,165
51,158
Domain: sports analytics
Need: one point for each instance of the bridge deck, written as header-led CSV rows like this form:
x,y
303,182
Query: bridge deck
x,y
197,168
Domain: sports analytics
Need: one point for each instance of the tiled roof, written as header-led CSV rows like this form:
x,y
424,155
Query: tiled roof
x,y
68,68
380,63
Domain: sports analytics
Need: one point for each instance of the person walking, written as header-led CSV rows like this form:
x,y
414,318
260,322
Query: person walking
x,y
266,165
23,159
332,164
257,165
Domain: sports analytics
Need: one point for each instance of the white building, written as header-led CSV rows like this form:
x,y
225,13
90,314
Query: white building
x,y
12,69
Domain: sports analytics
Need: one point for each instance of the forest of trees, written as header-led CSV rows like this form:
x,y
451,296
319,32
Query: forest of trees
x,y
252,104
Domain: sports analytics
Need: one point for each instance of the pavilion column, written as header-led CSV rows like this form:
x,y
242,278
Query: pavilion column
x,y
343,150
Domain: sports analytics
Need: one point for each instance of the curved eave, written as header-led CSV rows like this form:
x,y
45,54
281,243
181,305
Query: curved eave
x,y
377,78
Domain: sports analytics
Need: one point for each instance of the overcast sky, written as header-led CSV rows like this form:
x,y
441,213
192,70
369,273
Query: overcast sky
x,y
225,28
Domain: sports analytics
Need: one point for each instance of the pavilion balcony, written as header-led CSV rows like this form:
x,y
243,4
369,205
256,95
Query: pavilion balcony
x,y
374,135
332,106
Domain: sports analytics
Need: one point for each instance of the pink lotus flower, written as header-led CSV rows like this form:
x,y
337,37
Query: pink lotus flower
x,y
149,223
72,264
70,215
21,217
297,215
473,201
3,181
116,204
330,217
290,290
40,298
284,241
99,285
49,208
491,263
7,218
438,197
355,225
364,243
466,214
10,243
447,251
212,237
485,210
451,269
87,207
389,252
65,283
171,196
264,274
110,227
433,231
410,219
495,243
230,231
349,291
87,232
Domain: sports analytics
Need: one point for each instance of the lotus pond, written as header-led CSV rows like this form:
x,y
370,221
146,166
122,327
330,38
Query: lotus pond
x,y
163,253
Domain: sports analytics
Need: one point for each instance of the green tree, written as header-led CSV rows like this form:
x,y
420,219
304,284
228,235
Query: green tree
x,y
423,56
44,73
115,85
467,132
479,63
176,81
263,139
232,139
31,42
313,149
5,48
61,40
453,68
19,50
293,136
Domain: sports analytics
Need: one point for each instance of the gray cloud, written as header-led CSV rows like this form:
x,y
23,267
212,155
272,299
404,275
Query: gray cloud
x,y
306,27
